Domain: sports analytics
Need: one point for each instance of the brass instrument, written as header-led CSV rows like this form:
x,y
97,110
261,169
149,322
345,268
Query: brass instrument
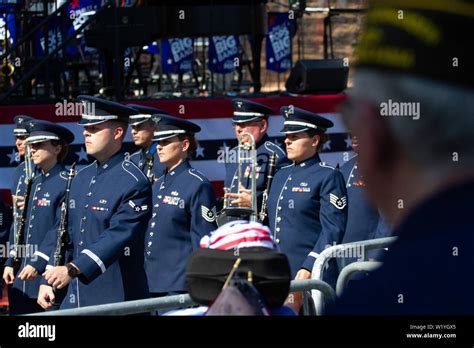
x,y
246,153
270,172
6,68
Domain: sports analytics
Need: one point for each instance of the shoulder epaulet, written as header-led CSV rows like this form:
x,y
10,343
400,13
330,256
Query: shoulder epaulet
x,y
196,174
135,153
83,168
288,165
274,148
323,164
63,174
132,169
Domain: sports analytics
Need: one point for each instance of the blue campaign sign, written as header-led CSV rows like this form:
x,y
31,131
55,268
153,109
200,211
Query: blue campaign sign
x,y
278,42
223,51
79,11
177,55
54,37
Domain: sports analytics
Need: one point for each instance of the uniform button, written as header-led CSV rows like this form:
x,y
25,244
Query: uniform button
x,y
89,194
93,182
86,206
83,218
278,229
352,175
31,226
279,219
32,217
148,253
29,236
286,187
153,215
278,241
82,231
149,244
279,208
348,185
152,224
151,234
281,198
289,178
81,242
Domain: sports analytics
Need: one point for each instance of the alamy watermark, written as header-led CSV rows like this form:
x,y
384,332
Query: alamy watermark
x,y
22,251
73,108
356,251
227,155
405,109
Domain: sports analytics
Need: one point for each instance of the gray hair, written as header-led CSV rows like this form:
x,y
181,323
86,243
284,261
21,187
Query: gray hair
x,y
444,128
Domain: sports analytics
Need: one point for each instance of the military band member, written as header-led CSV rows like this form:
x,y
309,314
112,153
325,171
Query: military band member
x,y
184,208
142,132
48,145
307,202
20,132
251,117
110,204
363,219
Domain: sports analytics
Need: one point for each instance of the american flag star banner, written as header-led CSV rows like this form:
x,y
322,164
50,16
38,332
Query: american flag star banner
x,y
212,115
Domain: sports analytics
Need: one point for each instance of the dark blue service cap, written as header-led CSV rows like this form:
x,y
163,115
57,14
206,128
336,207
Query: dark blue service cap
x,y
43,131
96,110
144,113
299,120
21,125
170,126
246,111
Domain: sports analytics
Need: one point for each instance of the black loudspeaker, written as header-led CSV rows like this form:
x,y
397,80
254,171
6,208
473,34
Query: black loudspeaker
x,y
318,76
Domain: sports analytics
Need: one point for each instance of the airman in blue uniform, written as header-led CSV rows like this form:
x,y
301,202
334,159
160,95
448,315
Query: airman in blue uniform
x,y
307,205
363,220
48,146
142,132
20,132
251,117
184,208
110,204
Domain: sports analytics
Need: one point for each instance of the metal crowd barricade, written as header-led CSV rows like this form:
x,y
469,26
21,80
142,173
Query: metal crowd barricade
x,y
175,301
342,249
346,273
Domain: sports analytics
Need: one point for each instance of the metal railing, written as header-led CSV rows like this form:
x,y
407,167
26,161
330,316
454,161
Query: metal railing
x,y
349,270
174,301
342,249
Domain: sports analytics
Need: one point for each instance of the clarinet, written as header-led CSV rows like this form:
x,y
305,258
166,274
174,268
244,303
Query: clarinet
x,y
270,173
62,240
20,224
63,236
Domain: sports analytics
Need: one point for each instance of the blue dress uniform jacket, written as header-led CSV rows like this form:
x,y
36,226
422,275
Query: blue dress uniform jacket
x,y
265,148
428,270
42,221
184,210
140,159
362,218
110,204
307,211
